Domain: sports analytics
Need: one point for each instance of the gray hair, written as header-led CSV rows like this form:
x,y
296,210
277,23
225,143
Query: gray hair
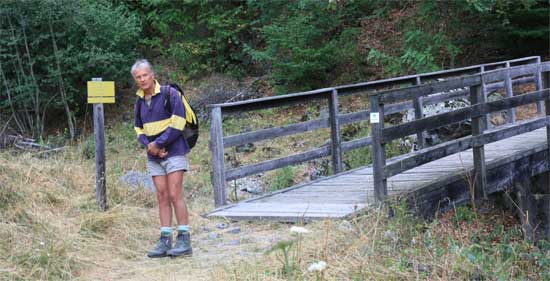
x,y
141,63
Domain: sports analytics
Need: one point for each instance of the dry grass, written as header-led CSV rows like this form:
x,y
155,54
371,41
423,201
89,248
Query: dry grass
x,y
51,229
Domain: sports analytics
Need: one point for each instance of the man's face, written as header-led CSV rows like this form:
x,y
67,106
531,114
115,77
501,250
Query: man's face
x,y
145,79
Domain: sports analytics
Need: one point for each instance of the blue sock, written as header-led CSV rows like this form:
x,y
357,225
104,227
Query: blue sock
x,y
183,228
165,231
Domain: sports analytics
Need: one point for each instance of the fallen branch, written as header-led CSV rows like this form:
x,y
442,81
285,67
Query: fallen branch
x,y
50,150
23,143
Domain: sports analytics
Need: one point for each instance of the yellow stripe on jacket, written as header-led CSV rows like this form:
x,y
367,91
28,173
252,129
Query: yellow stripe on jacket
x,y
139,131
157,127
177,122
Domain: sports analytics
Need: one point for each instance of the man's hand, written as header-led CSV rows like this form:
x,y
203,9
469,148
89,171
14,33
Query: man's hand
x,y
162,153
153,149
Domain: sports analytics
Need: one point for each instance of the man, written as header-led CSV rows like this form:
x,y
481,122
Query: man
x,y
161,133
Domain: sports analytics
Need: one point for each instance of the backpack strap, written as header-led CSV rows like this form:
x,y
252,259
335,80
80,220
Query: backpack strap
x,y
165,92
138,104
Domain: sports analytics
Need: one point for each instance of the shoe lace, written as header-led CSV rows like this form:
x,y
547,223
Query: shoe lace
x,y
180,241
162,243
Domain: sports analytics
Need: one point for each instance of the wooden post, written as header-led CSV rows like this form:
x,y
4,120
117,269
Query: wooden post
x,y
335,133
486,117
418,114
480,172
538,84
378,149
99,133
218,165
545,85
527,211
511,116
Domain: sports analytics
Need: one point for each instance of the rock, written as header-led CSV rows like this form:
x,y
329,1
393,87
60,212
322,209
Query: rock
x,y
253,190
324,113
213,236
136,180
221,225
346,226
445,133
390,235
318,168
234,230
421,267
252,185
233,242
246,148
306,117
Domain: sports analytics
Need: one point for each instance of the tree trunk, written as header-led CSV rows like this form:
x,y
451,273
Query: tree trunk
x,y
70,118
37,103
10,102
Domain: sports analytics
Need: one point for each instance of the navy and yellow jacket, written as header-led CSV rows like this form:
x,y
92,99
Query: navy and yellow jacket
x,y
154,123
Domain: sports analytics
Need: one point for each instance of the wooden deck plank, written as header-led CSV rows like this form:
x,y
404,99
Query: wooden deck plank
x,y
296,207
342,195
320,199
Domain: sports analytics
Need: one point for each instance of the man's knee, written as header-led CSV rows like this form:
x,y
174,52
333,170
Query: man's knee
x,y
163,196
175,195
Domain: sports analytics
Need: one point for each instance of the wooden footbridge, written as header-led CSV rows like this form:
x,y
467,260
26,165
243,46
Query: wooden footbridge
x,y
490,159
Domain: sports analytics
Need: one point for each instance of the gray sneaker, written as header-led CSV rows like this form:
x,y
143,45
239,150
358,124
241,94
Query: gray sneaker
x,y
183,246
162,247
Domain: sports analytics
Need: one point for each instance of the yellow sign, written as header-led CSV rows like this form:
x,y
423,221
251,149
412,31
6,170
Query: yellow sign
x,y
101,92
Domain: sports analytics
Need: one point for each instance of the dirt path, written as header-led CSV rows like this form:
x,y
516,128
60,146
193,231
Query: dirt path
x,y
217,244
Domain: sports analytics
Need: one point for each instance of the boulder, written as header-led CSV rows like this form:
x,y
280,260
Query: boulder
x,y
136,180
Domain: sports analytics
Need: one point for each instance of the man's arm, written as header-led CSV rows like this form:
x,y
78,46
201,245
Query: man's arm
x,y
138,125
177,121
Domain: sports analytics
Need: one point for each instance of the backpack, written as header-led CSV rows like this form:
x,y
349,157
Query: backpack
x,y
191,129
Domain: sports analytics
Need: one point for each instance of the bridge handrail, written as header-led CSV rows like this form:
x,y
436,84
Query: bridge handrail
x,y
276,101
218,141
476,111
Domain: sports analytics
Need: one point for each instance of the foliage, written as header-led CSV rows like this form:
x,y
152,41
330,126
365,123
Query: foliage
x,y
306,41
437,32
199,37
47,55
283,178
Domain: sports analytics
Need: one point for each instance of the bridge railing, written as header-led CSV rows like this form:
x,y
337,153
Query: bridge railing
x,y
218,141
479,108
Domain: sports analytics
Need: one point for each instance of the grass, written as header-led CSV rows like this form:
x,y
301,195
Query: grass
x,y
51,229
373,247
45,199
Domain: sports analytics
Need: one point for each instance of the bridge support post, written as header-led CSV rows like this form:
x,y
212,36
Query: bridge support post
x,y
486,117
335,133
216,148
545,83
378,149
418,114
480,171
539,86
511,117
527,211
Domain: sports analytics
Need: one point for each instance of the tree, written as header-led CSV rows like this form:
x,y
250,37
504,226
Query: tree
x,y
47,55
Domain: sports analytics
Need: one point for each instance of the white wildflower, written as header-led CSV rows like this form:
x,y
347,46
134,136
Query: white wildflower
x,y
318,266
299,230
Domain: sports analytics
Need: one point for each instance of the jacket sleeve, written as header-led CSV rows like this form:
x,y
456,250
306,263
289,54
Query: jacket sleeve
x,y
177,121
138,125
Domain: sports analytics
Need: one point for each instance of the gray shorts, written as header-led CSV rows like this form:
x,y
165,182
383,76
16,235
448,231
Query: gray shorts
x,y
172,164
